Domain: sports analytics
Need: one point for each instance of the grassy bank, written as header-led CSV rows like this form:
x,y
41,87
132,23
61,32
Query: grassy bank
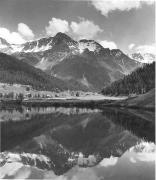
x,y
144,101
67,103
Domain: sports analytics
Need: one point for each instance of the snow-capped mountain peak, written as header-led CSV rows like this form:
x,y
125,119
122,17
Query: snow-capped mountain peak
x,y
79,63
60,39
88,44
143,57
42,44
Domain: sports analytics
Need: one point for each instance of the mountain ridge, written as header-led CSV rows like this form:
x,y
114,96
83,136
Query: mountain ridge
x,y
59,55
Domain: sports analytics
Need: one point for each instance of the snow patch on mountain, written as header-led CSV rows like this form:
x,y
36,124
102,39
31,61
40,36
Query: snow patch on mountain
x,y
43,64
38,48
90,45
143,58
34,46
25,158
149,58
16,48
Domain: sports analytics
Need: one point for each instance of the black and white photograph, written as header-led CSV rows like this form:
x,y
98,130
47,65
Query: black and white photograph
x,y
77,89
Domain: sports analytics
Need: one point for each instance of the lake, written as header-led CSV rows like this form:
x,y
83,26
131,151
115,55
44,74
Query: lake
x,y
77,143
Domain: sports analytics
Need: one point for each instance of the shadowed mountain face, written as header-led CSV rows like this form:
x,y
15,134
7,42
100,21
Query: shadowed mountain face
x,y
3,43
85,63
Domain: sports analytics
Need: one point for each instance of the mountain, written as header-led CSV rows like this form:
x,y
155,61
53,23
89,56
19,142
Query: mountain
x,y
3,42
144,58
138,82
84,64
14,71
4,45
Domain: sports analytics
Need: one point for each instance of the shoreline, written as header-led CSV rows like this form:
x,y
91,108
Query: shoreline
x,y
73,103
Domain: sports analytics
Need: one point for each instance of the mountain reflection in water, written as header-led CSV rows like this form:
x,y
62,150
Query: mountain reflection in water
x,y
74,143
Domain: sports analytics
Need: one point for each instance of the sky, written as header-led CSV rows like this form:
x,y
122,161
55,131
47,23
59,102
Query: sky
x,y
125,24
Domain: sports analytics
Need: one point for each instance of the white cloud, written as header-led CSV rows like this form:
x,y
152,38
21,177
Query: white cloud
x,y
85,29
143,49
108,44
25,31
57,25
11,37
146,49
131,46
106,6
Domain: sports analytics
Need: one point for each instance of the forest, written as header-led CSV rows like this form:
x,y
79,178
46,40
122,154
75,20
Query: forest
x,y
15,71
139,81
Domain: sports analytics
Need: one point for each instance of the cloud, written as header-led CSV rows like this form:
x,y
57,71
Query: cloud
x,y
146,49
107,6
108,44
85,29
57,25
11,37
131,46
143,49
82,29
25,31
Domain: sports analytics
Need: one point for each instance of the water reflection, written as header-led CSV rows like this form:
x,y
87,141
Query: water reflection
x,y
24,113
72,143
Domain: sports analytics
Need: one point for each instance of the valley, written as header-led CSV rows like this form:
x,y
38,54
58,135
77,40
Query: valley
x,y
77,89
60,71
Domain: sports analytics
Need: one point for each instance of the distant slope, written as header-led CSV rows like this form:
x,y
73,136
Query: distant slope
x,y
138,82
14,71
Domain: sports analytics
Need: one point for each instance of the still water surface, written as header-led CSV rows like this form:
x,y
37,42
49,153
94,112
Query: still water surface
x,y
77,144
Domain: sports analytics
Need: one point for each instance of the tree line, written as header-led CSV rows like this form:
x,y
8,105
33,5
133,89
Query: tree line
x,y
16,71
138,82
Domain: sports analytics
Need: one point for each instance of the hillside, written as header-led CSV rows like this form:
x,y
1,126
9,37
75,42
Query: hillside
x,y
138,82
146,100
14,71
142,101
